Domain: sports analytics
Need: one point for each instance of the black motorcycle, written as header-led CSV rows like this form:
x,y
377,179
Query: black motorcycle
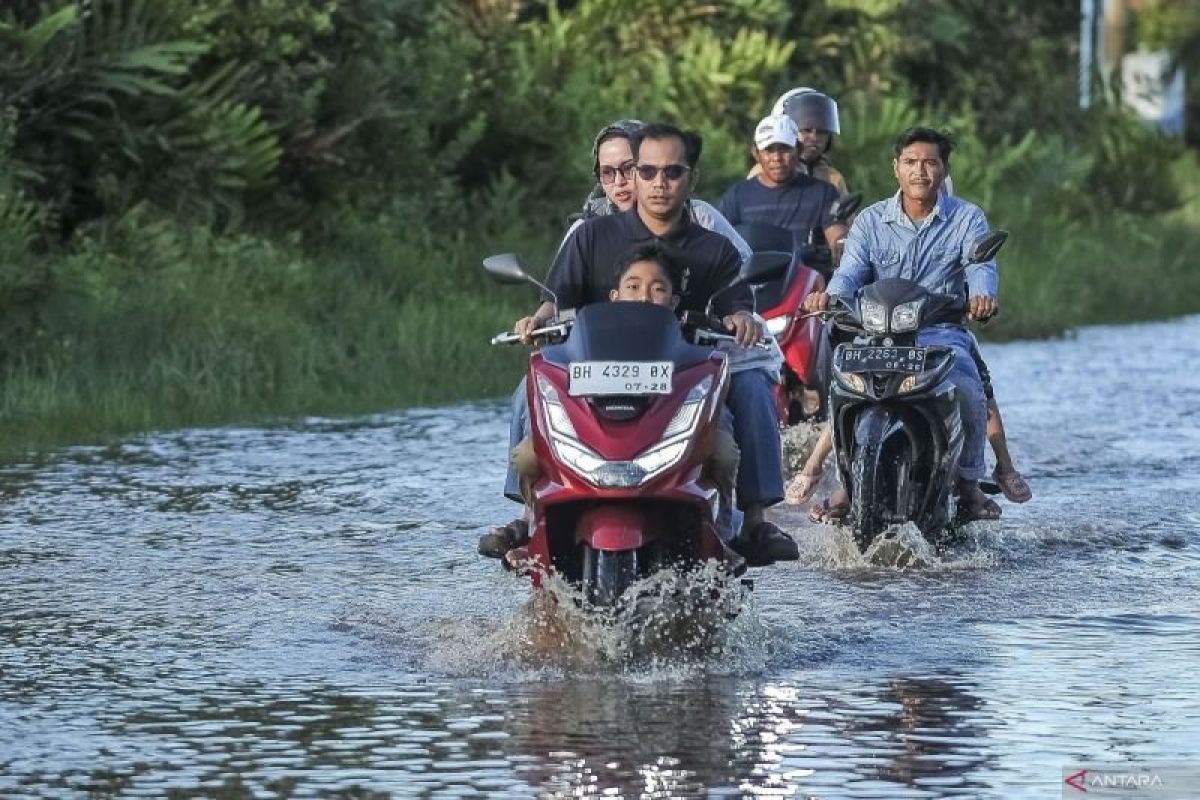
x,y
896,424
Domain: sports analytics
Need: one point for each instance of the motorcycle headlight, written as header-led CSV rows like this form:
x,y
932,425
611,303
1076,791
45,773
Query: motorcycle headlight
x,y
660,458
915,383
777,325
556,415
689,411
622,474
906,316
579,458
852,381
874,316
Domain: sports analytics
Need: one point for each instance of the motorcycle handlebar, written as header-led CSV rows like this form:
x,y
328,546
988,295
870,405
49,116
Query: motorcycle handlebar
x,y
558,329
712,337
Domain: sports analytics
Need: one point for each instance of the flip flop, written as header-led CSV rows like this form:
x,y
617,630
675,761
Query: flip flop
x,y
1014,487
826,513
801,488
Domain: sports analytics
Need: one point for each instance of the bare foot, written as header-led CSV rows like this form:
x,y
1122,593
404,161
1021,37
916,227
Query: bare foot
x,y
832,510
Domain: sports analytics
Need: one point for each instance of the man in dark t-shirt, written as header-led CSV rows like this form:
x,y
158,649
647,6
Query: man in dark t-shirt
x,y
583,273
779,195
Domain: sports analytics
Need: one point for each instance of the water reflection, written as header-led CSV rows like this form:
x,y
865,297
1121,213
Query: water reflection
x,y
298,611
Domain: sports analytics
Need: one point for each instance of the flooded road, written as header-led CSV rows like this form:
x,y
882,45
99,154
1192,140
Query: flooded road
x,y
298,611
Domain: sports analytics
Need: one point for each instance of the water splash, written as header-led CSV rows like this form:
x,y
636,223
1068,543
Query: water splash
x,y
900,548
690,620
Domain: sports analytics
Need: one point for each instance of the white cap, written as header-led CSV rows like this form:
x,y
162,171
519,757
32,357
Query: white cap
x,y
776,129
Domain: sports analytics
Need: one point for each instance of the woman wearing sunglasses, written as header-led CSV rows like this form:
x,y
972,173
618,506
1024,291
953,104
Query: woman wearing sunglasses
x,y
613,166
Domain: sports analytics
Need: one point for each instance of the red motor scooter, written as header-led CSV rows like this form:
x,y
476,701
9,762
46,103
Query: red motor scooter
x,y
624,415
802,393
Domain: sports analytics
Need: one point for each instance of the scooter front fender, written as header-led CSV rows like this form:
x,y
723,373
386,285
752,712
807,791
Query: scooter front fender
x,y
612,527
877,424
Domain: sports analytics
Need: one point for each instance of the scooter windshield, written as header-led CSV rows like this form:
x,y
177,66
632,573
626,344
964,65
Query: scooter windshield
x,y
626,332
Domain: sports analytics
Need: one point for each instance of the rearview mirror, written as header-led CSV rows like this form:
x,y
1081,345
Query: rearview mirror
x,y
506,268
987,246
765,266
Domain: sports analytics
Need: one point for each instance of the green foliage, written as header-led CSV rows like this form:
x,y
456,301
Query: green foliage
x,y
109,109
217,209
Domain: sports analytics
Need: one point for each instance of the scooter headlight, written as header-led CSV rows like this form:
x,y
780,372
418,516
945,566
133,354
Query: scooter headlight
x,y
689,411
556,415
579,458
906,316
623,474
777,325
874,316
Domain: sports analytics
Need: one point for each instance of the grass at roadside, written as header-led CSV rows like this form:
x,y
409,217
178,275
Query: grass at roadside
x,y
202,330
1110,271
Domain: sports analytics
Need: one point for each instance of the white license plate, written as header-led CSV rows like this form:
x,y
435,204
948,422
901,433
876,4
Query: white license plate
x,y
620,377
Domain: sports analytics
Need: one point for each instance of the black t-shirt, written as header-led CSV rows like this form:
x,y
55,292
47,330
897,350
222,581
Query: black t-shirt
x,y
583,272
801,205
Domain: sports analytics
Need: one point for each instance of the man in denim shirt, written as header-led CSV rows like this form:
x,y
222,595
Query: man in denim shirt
x,y
926,236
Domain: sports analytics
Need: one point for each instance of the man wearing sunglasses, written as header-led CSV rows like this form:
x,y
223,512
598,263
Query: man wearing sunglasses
x,y
612,164
782,195
665,160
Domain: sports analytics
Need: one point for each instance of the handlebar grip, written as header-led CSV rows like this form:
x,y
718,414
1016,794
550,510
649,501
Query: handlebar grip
x,y
553,329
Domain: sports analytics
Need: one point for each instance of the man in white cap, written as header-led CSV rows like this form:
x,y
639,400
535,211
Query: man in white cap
x,y
780,194
816,116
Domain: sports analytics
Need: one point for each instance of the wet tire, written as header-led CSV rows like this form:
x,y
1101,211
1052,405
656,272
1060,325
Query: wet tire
x,y
878,475
866,518
607,574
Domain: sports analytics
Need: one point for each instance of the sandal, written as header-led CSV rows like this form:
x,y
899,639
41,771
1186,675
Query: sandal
x,y
802,487
1014,487
502,538
827,513
985,511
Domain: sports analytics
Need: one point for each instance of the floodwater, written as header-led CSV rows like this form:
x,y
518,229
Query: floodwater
x,y
298,611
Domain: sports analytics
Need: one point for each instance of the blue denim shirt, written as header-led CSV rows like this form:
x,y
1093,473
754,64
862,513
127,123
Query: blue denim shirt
x,y
885,243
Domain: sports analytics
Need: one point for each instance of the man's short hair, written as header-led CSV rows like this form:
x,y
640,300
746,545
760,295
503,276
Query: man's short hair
x,y
693,145
944,141
648,252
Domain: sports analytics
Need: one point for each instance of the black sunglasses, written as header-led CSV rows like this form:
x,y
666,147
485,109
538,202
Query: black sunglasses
x,y
671,172
608,174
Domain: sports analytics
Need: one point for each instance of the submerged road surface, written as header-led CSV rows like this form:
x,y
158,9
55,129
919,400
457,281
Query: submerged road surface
x,y
298,611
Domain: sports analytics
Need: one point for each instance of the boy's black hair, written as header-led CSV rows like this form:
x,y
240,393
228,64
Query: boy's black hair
x,y
944,141
648,252
693,144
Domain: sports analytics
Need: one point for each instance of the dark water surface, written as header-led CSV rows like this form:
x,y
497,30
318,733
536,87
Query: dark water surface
x,y
298,611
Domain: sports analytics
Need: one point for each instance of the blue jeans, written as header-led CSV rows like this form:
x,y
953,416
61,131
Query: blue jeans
x,y
755,429
972,404
518,429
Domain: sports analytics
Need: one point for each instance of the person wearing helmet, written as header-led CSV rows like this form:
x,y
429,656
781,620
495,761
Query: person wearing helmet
x,y
782,195
816,116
